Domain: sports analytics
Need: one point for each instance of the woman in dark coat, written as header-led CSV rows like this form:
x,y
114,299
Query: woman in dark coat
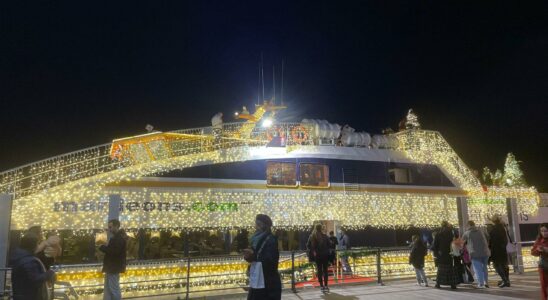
x,y
499,257
416,258
319,246
264,249
441,248
29,276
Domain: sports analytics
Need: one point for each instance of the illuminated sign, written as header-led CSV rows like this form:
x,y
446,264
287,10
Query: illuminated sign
x,y
147,206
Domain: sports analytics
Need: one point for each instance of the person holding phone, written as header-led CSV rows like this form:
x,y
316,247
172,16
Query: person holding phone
x,y
114,262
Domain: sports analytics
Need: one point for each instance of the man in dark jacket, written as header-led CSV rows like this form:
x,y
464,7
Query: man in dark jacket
x,y
29,276
264,249
114,262
499,256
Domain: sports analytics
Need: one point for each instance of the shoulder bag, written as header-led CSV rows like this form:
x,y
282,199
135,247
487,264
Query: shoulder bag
x,y
510,246
256,275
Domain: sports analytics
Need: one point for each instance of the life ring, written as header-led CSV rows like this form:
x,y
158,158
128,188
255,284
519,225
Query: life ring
x,y
299,134
117,152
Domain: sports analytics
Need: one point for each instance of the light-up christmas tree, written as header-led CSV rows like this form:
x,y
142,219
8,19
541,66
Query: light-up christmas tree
x,y
412,120
513,175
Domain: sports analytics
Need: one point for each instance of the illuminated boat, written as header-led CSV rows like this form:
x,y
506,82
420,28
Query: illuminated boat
x,y
204,181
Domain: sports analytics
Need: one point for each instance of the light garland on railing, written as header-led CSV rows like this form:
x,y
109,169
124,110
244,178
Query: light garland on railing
x,y
229,272
88,163
421,146
430,147
289,209
204,274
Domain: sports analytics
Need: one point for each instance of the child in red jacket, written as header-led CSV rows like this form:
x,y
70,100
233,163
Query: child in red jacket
x,y
540,248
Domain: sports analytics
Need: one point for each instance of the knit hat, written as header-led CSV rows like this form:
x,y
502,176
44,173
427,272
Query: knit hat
x,y
264,219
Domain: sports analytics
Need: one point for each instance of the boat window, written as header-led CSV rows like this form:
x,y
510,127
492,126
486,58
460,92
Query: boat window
x,y
400,175
281,174
314,175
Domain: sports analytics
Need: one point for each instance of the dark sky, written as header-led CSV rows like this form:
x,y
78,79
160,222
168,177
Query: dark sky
x,y
74,74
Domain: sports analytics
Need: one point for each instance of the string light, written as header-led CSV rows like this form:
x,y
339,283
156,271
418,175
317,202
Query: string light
x,y
71,192
423,146
77,204
158,208
229,272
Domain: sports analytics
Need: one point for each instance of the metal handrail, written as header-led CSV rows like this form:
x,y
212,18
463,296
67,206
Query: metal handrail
x,y
380,264
105,145
99,146
19,180
3,291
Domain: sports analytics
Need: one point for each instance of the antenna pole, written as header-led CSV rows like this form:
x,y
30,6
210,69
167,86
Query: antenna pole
x,y
259,86
282,94
262,74
274,84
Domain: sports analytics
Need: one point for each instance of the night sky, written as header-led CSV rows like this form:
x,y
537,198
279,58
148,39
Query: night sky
x,y
75,74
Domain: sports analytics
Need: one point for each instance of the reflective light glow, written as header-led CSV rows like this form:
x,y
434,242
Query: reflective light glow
x,y
267,123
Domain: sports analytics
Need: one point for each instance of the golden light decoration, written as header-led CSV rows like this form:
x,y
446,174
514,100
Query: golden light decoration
x,y
229,272
430,147
71,191
158,208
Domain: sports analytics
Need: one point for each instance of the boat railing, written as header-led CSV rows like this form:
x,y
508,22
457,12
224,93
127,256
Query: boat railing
x,y
426,146
70,167
213,275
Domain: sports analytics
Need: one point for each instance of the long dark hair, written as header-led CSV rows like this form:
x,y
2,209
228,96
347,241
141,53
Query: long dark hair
x,y
317,233
540,237
445,224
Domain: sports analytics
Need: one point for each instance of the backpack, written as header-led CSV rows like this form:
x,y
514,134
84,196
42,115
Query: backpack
x,y
321,248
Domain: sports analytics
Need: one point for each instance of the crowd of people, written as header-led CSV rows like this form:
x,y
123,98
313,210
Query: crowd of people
x,y
31,263
458,258
476,248
465,259
263,256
